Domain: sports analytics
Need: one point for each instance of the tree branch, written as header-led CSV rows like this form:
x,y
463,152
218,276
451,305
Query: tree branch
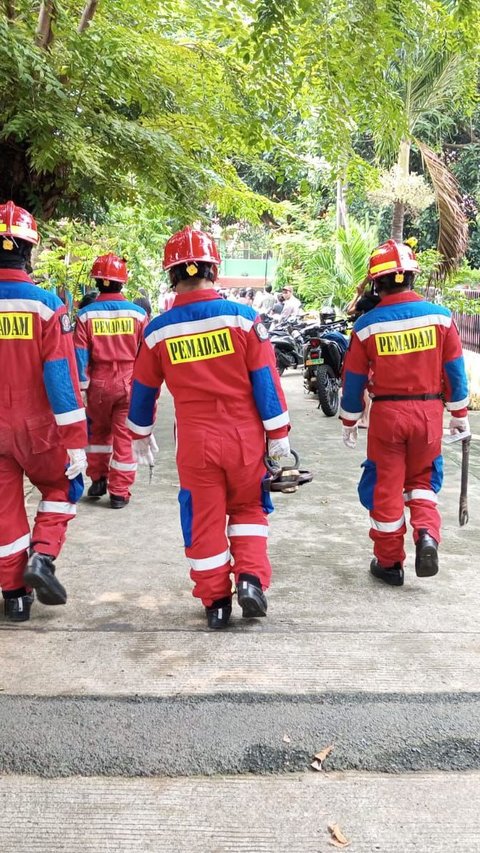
x,y
87,15
46,16
10,10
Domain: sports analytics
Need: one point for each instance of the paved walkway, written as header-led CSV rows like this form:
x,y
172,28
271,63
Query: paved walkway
x,y
126,681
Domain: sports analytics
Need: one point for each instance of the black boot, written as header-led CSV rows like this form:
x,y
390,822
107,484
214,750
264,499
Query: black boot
x,y
40,574
393,575
426,560
218,613
250,596
17,604
98,488
118,502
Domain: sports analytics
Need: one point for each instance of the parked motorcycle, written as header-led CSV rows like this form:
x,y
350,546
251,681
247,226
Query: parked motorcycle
x,y
287,341
324,354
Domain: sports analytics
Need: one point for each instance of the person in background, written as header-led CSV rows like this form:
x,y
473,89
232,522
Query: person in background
x,y
107,337
291,305
218,363
43,429
144,302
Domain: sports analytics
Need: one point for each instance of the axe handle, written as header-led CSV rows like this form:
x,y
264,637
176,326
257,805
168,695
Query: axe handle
x,y
463,506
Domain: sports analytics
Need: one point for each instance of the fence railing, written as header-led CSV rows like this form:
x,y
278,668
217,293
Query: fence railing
x,y
469,328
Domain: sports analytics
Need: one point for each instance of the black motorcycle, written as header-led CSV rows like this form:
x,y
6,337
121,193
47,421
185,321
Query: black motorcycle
x,y
324,353
287,341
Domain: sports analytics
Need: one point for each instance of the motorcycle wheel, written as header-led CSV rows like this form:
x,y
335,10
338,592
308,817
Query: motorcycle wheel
x,y
280,363
327,390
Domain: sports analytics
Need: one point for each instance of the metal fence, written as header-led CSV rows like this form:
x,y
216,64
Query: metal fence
x,y
469,328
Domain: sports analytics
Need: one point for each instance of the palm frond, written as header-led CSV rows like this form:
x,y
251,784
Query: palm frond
x,y
434,85
453,231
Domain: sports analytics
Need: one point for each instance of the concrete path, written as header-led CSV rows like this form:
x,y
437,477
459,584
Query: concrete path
x,y
126,680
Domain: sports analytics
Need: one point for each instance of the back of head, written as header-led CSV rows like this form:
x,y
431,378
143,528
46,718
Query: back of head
x,y
18,235
110,273
144,303
191,256
268,288
392,267
87,299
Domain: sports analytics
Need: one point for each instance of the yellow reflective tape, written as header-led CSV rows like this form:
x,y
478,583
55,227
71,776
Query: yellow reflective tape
x,y
113,326
402,343
387,265
16,326
200,347
19,230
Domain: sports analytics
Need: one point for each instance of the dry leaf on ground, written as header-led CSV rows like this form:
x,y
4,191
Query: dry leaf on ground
x,y
324,753
287,739
338,839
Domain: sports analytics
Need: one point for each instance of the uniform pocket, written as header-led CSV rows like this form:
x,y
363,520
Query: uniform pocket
x,y
95,392
186,515
367,483
252,442
190,451
43,433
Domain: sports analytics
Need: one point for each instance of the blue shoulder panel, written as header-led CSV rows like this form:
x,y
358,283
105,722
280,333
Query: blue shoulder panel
x,y
200,311
399,311
25,290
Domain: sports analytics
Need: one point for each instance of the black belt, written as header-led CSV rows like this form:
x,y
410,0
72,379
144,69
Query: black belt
x,y
406,397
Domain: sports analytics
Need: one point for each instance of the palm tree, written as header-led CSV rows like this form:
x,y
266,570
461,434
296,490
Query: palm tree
x,y
428,82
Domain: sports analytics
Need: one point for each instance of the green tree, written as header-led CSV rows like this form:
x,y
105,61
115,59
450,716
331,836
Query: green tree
x,y
119,101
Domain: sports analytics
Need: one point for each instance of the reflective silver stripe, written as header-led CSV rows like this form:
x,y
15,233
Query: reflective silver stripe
x,y
350,416
404,325
247,530
20,544
278,421
194,327
420,494
28,305
458,404
140,430
61,507
112,315
210,562
72,417
123,466
387,526
99,448
84,383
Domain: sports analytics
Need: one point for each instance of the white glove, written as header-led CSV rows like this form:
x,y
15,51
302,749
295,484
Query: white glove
x,y
143,450
350,435
457,425
278,450
78,463
84,397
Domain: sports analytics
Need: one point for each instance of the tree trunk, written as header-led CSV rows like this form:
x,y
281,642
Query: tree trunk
x,y
44,34
397,221
10,10
403,170
87,15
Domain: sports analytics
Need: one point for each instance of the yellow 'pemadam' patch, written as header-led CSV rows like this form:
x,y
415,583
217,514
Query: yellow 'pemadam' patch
x,y
200,347
16,326
113,326
411,340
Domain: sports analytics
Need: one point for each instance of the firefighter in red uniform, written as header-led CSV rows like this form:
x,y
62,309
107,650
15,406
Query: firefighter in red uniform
x,y
413,351
42,423
217,361
107,336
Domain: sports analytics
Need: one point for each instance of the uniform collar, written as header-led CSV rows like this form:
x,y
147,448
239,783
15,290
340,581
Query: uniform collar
x,y
396,298
110,297
203,295
14,275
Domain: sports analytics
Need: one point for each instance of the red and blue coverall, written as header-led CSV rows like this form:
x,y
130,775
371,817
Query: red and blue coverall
x,y
413,350
107,336
41,415
215,358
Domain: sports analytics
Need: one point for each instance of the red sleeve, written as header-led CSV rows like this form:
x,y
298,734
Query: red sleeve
x,y
61,380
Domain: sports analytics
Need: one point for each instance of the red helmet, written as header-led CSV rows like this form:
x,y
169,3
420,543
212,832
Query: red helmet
x,y
188,246
392,257
17,222
110,268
